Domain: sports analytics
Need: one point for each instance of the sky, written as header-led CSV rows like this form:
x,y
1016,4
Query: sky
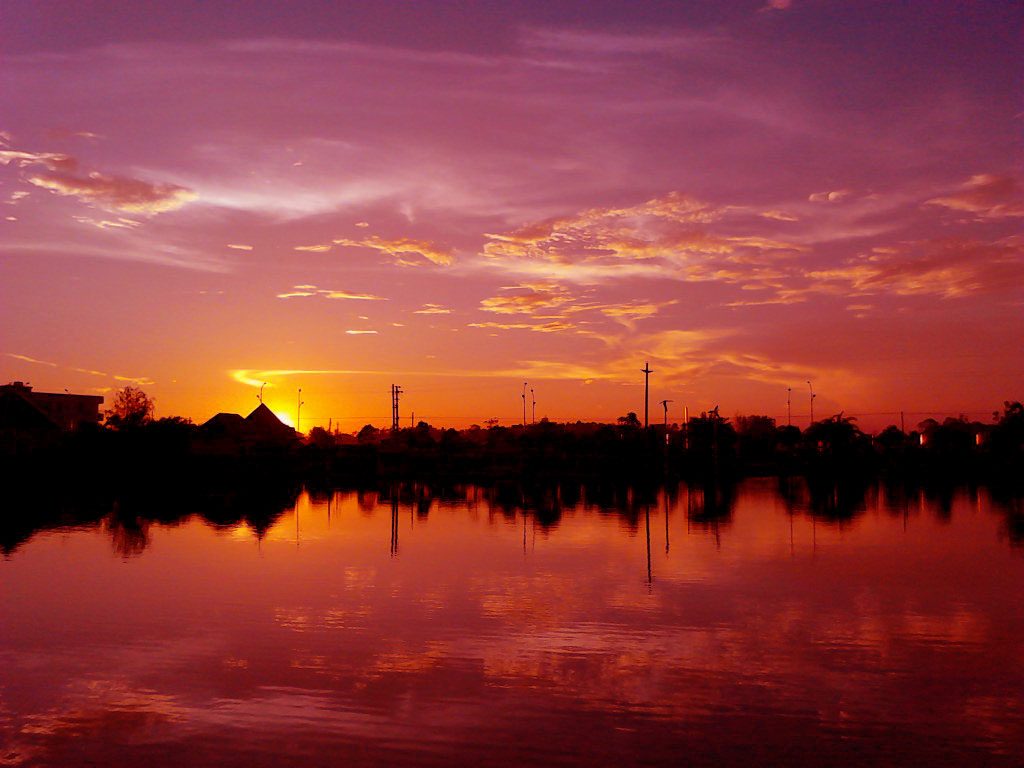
x,y
481,200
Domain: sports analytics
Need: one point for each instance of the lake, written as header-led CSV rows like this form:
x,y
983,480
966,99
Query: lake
x,y
577,626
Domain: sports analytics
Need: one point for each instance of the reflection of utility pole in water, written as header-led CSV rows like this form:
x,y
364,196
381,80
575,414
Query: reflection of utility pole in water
x,y
647,519
666,521
394,524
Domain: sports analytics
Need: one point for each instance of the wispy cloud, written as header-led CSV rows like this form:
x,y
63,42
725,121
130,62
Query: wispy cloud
x,y
327,293
28,359
116,193
139,380
405,251
988,196
433,309
947,268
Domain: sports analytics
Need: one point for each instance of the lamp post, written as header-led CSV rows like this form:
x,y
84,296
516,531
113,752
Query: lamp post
x,y
533,413
261,391
789,406
298,412
524,403
811,389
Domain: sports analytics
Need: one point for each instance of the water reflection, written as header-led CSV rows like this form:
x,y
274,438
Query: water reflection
x,y
539,625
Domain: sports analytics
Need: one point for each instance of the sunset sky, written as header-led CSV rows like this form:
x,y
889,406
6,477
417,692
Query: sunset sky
x,y
460,197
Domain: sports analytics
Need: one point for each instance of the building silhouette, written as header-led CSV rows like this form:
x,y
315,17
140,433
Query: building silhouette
x,y
23,409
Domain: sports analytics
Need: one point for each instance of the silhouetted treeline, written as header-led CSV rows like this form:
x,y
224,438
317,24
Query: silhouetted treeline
x,y
172,451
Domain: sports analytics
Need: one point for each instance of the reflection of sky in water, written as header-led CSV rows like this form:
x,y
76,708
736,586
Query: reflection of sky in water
x,y
897,635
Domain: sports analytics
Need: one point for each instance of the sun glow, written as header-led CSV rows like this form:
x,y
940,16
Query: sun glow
x,y
285,418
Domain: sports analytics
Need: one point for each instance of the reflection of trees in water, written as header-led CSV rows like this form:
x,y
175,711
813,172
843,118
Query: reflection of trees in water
x,y
129,533
710,503
26,510
839,501
1011,508
258,505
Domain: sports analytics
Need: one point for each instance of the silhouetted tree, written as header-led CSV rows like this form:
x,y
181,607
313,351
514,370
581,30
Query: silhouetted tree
x,y
320,438
131,408
630,420
368,434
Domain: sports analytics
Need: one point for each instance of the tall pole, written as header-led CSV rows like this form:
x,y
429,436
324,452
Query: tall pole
x,y
664,404
533,413
395,392
261,391
524,403
298,412
789,406
646,370
811,388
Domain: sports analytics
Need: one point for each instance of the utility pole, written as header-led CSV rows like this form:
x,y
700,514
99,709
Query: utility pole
x,y
664,404
646,370
789,406
395,392
524,404
533,414
812,400
298,412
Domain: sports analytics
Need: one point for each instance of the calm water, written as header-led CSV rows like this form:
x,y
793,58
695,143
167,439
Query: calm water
x,y
360,630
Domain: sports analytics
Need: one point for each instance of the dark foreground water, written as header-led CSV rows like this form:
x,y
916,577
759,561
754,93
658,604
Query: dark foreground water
x,y
364,631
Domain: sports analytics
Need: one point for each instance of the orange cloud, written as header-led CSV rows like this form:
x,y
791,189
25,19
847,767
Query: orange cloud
x,y
404,250
829,197
947,268
663,237
115,193
527,299
327,293
987,195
